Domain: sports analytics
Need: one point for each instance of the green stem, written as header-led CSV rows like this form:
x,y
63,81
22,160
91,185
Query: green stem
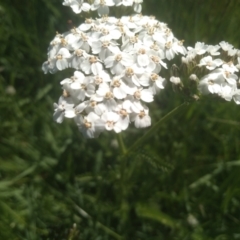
x,y
121,143
109,231
84,214
155,128
122,159
123,162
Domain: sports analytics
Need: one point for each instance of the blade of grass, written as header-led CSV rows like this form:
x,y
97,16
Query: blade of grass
x,y
155,128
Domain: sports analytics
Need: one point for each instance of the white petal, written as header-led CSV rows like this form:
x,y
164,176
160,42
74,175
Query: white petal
x,y
137,8
236,98
119,93
142,122
111,104
64,52
117,127
115,34
81,107
144,80
124,122
143,60
58,116
70,113
79,75
62,64
118,69
146,95
96,68
86,7
159,82
75,85
109,61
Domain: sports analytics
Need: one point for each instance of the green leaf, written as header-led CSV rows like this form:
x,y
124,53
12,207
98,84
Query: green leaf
x,y
156,215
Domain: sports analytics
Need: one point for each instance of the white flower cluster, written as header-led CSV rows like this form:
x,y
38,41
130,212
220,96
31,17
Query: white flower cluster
x,y
117,64
102,6
220,65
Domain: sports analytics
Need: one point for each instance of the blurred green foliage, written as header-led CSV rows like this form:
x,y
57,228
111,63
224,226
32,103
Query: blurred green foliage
x,y
54,184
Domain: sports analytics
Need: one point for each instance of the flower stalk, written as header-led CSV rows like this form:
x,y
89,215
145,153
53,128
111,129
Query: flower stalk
x,y
121,144
153,130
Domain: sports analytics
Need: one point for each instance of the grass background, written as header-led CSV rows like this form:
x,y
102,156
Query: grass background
x,y
54,184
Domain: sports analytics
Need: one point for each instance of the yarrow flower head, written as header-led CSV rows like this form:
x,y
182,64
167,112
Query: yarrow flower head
x,y
118,64
102,6
218,69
